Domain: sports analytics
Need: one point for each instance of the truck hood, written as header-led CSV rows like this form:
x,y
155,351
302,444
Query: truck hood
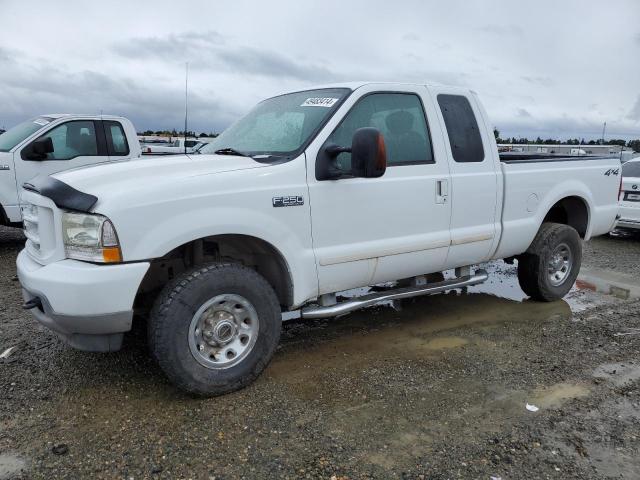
x,y
150,172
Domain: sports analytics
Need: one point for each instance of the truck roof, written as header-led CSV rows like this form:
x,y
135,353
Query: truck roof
x,y
56,116
355,85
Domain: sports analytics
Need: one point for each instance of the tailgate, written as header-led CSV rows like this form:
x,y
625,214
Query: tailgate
x,y
631,190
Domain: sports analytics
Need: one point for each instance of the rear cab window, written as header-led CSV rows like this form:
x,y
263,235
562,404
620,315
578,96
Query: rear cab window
x,y
462,128
117,144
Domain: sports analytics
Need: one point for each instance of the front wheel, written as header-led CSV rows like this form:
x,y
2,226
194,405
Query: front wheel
x,y
214,329
550,266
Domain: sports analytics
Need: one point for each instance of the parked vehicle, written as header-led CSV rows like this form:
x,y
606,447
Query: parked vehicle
x,y
52,143
630,196
312,193
179,146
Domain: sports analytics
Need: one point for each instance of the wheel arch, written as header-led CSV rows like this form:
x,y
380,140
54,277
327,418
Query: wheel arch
x,y
572,210
247,250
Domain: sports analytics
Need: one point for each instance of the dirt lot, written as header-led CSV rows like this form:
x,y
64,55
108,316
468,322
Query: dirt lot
x,y
436,390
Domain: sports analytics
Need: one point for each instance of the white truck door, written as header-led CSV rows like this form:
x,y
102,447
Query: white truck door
x,y
371,230
475,186
76,143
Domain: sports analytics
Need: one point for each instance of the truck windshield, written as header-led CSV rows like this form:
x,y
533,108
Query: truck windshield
x,y
279,126
17,134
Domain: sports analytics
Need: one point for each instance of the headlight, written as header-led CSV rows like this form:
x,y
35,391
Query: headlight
x,y
90,238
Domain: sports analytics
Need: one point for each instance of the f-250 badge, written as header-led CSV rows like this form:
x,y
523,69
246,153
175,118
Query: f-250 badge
x,y
290,201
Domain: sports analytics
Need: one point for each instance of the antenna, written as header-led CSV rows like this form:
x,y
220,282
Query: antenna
x,y
604,127
186,104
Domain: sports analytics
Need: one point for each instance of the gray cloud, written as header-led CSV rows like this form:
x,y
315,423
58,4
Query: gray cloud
x,y
411,37
173,46
634,113
133,64
544,81
502,29
523,113
48,89
210,50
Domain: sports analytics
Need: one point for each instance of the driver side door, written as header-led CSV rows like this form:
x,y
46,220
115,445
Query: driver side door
x,y
372,230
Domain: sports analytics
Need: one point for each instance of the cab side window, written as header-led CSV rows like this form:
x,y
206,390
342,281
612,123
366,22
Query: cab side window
x,y
462,128
401,120
73,139
116,139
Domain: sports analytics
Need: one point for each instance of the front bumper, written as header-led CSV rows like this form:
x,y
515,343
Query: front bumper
x,y
89,306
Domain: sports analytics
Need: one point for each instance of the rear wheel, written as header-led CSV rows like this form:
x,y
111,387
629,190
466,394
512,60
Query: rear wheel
x,y
214,329
550,266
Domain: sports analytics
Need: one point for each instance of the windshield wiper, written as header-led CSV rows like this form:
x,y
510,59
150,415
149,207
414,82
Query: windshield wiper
x,y
230,151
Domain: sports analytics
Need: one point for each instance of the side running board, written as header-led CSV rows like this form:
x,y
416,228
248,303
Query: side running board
x,y
406,292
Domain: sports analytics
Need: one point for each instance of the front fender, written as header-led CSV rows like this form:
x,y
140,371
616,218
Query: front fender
x,y
286,235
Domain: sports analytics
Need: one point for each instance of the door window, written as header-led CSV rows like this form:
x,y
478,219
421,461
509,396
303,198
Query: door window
x,y
73,139
464,135
401,120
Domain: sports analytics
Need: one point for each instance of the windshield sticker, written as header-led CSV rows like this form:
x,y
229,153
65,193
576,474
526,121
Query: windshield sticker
x,y
319,102
41,121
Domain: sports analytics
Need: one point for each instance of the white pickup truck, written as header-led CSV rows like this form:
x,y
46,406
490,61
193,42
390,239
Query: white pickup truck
x,y
52,143
311,193
176,147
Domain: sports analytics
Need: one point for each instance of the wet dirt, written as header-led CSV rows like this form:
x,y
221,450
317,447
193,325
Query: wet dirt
x,y
435,390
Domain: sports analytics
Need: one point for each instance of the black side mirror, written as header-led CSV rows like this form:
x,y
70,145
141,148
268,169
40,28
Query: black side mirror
x,y
39,149
368,157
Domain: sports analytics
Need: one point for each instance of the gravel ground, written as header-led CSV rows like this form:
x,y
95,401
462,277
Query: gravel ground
x,y
436,390
620,253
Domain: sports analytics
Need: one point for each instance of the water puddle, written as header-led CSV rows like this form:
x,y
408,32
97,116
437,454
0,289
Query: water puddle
x,y
593,288
556,395
442,343
619,373
11,466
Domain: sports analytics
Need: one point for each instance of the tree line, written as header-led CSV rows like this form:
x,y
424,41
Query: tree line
x,y
633,144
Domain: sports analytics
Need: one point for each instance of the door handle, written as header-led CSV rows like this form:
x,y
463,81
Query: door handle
x,y
442,190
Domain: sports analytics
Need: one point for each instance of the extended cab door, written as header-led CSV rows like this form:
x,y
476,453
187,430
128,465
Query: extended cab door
x,y
476,186
75,143
371,230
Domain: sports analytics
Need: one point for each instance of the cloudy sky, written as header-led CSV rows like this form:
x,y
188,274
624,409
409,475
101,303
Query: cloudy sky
x,y
549,68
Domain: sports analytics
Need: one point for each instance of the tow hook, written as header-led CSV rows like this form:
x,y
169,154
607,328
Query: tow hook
x,y
33,303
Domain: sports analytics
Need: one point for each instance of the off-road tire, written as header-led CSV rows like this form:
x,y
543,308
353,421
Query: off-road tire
x,y
533,264
168,327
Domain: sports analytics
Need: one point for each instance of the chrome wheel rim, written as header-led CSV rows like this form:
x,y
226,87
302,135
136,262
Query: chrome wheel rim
x,y
560,264
223,331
